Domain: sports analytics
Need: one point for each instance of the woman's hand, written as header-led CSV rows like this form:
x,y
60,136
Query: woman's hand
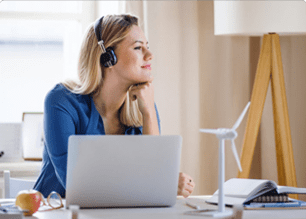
x,y
143,93
185,185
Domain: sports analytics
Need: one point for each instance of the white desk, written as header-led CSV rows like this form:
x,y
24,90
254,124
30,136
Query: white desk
x,y
176,212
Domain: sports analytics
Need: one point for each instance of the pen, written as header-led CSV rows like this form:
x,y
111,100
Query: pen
x,y
3,209
192,205
12,208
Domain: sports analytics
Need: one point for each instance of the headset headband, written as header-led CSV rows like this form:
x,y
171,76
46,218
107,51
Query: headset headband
x,y
108,57
98,33
98,28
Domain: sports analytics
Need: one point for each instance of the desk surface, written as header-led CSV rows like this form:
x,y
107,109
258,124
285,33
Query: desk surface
x,y
176,212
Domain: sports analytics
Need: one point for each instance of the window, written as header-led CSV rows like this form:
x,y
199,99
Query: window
x,y
39,6
39,47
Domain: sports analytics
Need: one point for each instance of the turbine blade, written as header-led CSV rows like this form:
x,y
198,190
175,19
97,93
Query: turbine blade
x,y
236,125
236,155
211,131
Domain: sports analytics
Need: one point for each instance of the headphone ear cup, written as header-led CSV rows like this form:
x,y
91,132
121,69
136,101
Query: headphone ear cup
x,y
113,55
108,58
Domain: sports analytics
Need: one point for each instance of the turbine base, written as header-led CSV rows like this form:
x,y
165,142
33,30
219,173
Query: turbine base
x,y
218,214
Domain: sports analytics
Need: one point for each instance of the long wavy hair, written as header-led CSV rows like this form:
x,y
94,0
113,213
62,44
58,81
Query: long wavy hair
x,y
91,73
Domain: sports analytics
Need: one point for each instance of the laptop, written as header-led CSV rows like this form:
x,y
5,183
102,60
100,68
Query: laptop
x,y
122,171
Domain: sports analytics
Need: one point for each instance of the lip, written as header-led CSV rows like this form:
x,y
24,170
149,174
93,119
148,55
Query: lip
x,y
147,66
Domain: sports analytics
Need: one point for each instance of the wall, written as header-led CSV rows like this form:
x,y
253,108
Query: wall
x,y
228,66
224,92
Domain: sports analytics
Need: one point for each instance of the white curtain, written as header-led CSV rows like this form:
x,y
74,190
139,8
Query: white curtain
x,y
205,81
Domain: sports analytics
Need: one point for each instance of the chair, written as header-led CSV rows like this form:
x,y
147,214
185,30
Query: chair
x,y
13,185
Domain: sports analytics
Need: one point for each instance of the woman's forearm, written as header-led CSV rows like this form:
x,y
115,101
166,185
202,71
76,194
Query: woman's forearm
x,y
150,125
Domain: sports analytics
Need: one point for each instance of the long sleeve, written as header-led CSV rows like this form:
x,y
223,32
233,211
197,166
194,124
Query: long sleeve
x,y
58,126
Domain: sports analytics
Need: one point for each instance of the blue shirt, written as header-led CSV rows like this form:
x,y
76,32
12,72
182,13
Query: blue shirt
x,y
66,114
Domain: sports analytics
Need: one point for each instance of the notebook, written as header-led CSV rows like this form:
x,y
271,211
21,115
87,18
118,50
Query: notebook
x,y
258,193
122,171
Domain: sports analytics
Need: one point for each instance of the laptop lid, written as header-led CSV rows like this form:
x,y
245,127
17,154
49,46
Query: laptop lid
x,y
122,171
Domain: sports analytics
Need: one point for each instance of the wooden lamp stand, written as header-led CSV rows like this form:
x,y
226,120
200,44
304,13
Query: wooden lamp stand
x,y
270,66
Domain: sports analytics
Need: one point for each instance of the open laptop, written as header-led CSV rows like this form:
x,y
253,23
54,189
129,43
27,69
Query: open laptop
x,y
122,171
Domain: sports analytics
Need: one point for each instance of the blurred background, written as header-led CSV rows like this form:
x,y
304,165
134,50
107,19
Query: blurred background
x,y
201,80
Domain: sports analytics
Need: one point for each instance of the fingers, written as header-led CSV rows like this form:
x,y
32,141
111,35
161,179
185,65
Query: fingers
x,y
184,193
186,178
140,85
136,89
144,94
141,90
186,185
150,81
192,184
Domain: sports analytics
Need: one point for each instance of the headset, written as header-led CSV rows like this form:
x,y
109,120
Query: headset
x,y
108,57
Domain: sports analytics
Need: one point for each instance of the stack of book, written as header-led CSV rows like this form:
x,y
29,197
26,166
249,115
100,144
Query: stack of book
x,y
258,194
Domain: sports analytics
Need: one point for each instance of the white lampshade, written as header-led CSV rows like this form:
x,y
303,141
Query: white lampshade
x,y
255,18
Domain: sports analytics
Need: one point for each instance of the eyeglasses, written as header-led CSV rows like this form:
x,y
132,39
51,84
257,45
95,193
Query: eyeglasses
x,y
54,201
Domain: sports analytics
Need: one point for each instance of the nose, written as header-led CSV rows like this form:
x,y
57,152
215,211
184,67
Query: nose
x,y
148,55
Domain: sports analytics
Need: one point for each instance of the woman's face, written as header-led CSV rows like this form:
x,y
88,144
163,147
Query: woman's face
x,y
134,58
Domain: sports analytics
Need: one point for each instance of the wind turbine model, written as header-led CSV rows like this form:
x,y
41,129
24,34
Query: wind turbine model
x,y
225,134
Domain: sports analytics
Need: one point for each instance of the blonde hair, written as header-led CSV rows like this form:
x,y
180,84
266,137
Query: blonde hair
x,y
91,73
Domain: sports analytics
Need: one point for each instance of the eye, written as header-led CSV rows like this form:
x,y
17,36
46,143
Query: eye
x,y
139,47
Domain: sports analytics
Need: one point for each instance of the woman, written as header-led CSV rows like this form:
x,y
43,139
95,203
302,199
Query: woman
x,y
115,96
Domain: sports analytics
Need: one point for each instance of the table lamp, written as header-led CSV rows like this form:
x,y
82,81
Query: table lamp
x,y
268,19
